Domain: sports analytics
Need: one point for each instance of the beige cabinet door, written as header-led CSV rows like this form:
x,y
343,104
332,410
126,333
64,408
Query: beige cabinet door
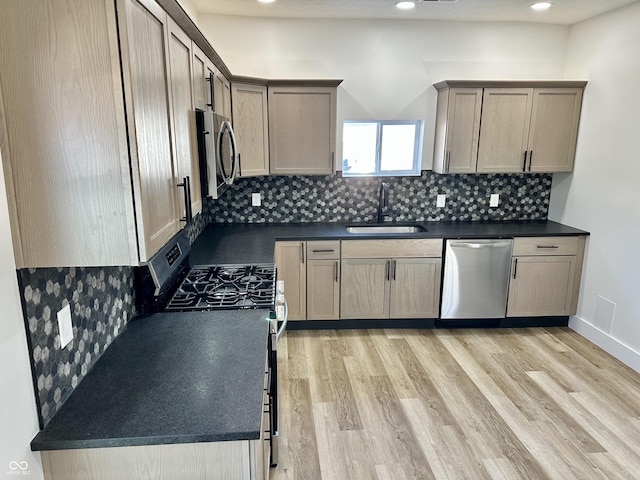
x,y
463,129
185,151
415,287
302,130
504,130
250,124
554,129
365,288
291,267
200,74
64,145
323,289
541,285
144,39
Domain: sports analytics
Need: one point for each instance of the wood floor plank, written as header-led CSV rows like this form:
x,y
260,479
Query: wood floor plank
x,y
416,463
345,405
304,459
384,448
422,383
331,454
403,385
319,380
501,469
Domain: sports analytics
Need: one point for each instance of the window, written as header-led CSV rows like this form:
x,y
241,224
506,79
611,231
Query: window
x,y
381,147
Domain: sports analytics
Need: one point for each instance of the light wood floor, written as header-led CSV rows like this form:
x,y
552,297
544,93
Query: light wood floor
x,y
455,404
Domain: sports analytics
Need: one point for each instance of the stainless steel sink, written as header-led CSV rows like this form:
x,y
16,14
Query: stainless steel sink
x,y
386,229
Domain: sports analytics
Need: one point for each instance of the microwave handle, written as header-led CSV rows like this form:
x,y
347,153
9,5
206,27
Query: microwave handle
x,y
235,156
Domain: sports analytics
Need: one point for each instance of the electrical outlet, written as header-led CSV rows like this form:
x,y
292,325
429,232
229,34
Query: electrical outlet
x,y
495,200
65,326
440,201
256,200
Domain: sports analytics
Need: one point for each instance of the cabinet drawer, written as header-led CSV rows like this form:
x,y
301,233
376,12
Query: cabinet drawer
x,y
325,249
545,246
392,248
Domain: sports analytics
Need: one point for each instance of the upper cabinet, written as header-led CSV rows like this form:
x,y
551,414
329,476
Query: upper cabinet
x,y
458,128
184,129
250,123
302,129
113,86
516,126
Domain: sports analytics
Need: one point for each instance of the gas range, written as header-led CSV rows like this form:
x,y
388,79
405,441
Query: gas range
x,y
170,284
225,287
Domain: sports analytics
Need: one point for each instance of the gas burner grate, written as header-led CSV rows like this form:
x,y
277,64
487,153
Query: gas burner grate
x,y
225,287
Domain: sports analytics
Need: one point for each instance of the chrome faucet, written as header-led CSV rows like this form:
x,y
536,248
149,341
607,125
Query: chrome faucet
x,y
383,202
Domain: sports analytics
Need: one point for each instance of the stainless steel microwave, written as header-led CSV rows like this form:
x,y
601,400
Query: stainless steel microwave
x,y
217,153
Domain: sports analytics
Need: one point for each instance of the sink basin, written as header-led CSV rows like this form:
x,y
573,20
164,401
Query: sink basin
x,y
386,229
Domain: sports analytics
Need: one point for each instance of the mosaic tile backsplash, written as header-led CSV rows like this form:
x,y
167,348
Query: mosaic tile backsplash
x,y
102,301
337,199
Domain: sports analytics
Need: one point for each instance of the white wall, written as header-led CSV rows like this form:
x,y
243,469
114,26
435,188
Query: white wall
x,y
18,418
388,66
603,194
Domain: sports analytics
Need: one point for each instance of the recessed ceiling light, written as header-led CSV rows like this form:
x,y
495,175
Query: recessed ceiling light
x,y
405,5
266,1
541,6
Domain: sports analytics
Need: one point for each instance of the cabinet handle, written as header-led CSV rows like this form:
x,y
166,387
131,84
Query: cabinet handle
x,y
547,246
239,164
320,250
186,184
211,92
395,262
333,163
337,267
302,251
524,163
387,269
530,158
515,268
448,166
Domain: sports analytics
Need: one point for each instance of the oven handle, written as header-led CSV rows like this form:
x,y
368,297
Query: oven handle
x,y
284,322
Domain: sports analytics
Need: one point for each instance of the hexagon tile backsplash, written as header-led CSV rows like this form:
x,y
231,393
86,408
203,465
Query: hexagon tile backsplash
x,y
338,199
102,302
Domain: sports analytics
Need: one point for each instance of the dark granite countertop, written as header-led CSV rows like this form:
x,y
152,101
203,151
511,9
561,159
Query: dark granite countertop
x,y
169,378
254,242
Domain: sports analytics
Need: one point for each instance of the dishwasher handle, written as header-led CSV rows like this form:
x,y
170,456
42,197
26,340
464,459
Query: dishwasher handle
x,y
480,245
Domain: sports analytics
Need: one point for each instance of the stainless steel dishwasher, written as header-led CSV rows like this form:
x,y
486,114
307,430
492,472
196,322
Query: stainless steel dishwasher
x,y
476,278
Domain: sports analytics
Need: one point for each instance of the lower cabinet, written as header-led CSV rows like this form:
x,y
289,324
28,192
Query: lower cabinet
x,y
545,276
291,267
234,460
323,280
390,278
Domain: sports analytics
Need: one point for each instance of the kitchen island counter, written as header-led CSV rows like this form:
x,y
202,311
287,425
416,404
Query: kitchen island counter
x,y
254,242
169,378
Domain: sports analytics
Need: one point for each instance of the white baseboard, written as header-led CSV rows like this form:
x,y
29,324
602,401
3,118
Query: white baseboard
x,y
622,352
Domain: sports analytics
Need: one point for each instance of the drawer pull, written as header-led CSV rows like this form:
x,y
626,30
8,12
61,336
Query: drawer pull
x,y
547,246
325,250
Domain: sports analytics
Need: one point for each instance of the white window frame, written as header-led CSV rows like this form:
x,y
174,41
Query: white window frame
x,y
417,149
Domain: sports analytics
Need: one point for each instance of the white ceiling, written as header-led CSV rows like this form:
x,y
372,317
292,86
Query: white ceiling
x,y
565,12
